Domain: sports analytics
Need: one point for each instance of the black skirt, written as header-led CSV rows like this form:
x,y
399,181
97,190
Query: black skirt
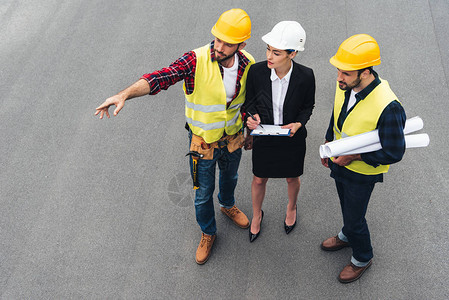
x,y
279,157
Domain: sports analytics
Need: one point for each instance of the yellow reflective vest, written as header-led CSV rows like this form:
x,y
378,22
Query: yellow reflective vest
x,y
363,118
206,109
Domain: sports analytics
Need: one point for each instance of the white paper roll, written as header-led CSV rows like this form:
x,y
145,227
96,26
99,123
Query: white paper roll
x,y
411,141
417,140
413,124
335,148
354,143
369,148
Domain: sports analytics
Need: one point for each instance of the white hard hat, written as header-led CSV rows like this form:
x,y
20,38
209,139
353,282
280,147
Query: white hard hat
x,y
286,35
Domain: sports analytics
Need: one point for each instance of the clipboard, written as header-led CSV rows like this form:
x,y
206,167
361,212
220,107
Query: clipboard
x,y
271,130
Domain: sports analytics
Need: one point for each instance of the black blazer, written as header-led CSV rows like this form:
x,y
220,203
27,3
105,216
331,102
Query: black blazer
x,y
299,100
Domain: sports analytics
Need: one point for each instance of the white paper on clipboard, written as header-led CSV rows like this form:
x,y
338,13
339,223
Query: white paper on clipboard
x,y
273,130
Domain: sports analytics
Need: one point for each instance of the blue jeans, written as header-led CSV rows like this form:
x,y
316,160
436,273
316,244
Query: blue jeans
x,y
354,200
228,164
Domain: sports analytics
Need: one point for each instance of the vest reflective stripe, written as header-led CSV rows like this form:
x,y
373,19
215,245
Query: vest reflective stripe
x,y
235,119
236,106
363,118
336,130
210,126
205,107
231,117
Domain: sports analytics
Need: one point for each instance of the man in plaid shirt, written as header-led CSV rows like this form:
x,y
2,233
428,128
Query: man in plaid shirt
x,y
363,102
214,86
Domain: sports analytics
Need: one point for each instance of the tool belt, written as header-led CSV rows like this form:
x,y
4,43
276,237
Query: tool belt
x,y
232,142
199,149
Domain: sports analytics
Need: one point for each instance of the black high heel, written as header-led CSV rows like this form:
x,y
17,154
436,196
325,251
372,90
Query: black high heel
x,y
289,229
254,236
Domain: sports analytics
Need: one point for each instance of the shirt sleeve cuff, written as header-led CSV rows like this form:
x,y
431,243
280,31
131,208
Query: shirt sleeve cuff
x,y
366,159
152,82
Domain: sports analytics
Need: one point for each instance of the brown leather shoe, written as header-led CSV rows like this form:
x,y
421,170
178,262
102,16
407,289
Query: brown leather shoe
x,y
237,216
204,248
333,244
351,272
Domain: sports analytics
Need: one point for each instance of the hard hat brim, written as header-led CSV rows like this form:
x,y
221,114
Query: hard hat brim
x,y
271,40
226,38
352,67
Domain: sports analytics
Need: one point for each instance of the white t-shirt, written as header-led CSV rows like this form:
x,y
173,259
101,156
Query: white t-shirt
x,y
230,79
352,100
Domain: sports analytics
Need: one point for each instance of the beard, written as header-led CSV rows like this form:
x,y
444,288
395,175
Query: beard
x,y
349,86
223,58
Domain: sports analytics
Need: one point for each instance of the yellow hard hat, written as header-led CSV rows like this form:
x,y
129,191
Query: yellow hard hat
x,y
233,26
357,52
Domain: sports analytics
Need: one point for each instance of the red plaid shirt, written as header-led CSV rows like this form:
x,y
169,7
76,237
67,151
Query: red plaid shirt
x,y
184,69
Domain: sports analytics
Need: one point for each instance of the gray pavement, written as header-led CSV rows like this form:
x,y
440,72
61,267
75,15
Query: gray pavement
x,y
103,208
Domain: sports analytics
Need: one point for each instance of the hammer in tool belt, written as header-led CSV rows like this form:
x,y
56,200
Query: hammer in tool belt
x,y
195,156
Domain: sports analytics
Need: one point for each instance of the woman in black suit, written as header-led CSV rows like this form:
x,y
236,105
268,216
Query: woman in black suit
x,y
279,92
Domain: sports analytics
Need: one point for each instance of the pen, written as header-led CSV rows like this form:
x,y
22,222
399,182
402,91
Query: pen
x,y
254,118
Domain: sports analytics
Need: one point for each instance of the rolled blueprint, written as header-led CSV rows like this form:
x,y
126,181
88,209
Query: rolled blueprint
x,y
417,140
411,141
345,145
413,124
337,147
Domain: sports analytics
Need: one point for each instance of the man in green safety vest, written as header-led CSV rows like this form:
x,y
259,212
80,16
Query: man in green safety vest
x,y
363,102
214,86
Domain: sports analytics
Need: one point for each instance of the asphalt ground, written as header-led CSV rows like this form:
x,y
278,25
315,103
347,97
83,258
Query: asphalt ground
x,y
99,209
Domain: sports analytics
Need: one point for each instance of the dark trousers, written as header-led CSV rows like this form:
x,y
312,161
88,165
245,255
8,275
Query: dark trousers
x,y
354,200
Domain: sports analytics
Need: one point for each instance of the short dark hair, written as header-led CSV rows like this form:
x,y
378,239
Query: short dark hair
x,y
370,69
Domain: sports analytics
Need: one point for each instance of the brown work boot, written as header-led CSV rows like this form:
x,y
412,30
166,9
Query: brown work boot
x,y
204,248
333,244
237,216
351,272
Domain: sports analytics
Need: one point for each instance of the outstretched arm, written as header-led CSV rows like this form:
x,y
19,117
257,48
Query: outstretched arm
x,y
153,83
139,88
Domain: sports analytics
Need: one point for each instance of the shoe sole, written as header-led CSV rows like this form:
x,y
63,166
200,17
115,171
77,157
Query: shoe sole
x,y
244,227
333,249
203,262
360,275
